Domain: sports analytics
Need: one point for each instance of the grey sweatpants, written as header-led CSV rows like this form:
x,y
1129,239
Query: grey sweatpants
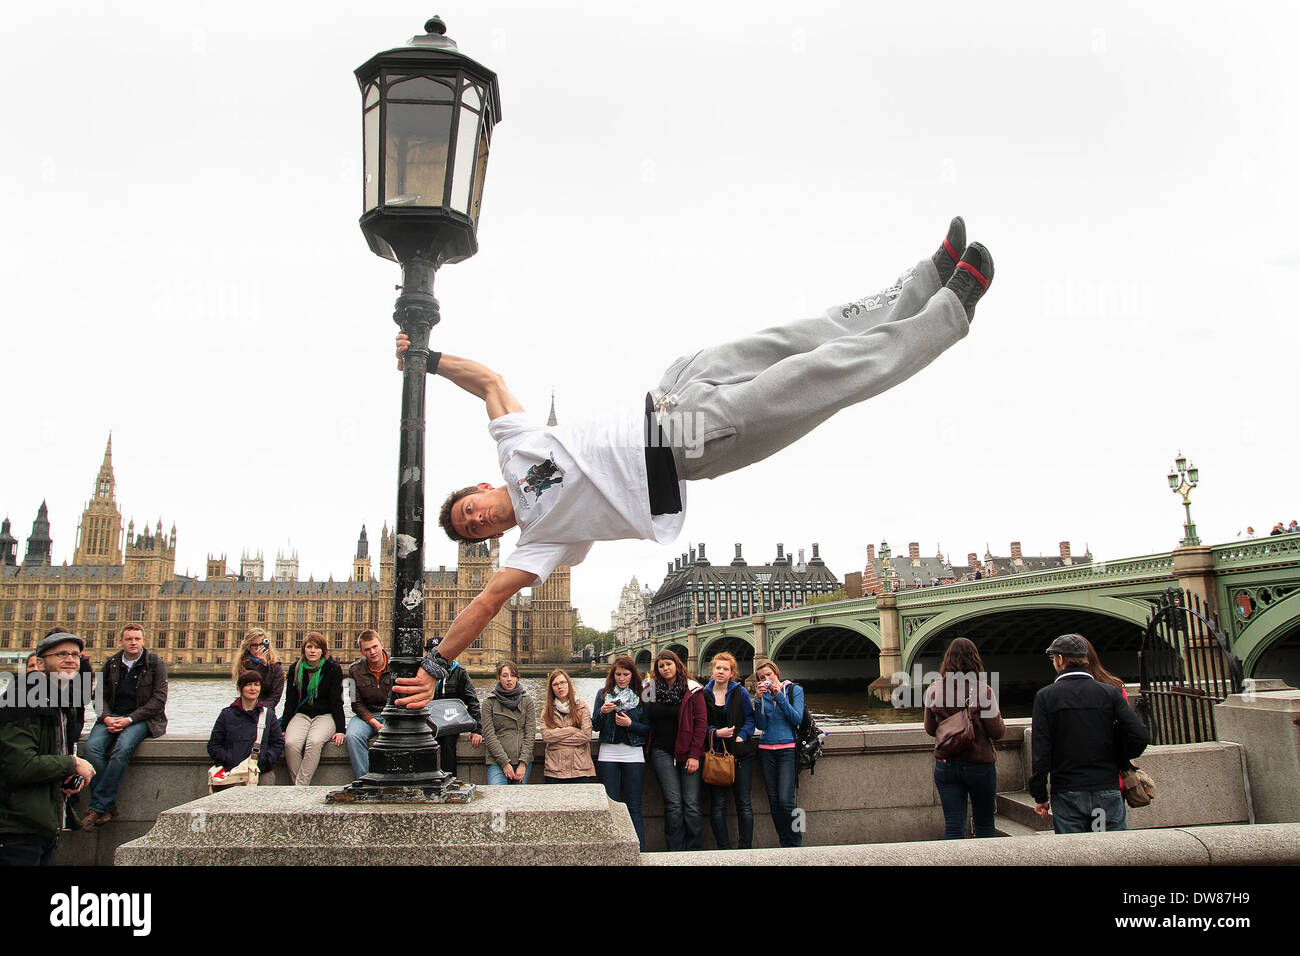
x,y
731,405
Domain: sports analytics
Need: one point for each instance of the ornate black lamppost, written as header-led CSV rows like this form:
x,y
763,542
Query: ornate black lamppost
x,y
427,117
1182,479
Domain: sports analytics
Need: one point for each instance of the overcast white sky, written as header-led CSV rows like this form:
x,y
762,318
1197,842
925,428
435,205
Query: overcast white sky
x,y
180,263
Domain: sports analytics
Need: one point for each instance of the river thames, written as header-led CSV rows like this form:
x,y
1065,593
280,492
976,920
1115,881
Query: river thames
x,y
193,703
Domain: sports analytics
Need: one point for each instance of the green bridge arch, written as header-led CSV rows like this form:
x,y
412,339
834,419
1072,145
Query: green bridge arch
x,y
1128,610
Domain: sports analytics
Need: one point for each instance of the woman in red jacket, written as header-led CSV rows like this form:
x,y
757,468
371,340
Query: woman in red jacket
x,y
675,706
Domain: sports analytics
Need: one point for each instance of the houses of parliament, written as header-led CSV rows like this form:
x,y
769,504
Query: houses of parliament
x,y
116,579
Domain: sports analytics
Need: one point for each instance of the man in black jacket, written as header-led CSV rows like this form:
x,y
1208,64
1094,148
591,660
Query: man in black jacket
x,y
458,686
1083,733
134,707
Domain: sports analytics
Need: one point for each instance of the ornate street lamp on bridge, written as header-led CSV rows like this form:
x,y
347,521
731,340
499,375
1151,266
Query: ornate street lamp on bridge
x,y
1182,479
427,117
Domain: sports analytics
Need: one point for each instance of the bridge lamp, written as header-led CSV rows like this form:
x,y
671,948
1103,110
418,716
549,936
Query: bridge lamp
x,y
1182,480
427,114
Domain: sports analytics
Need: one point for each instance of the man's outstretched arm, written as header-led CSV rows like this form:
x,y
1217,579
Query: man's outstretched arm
x,y
468,625
474,377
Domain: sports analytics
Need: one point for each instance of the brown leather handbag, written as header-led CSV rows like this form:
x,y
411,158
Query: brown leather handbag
x,y
955,735
719,768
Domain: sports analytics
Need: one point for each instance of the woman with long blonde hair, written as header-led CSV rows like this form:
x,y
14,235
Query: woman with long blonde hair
x,y
566,731
257,654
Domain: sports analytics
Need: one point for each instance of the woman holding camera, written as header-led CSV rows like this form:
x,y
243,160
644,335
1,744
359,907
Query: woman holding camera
x,y
678,718
620,719
313,707
257,654
973,773
778,712
509,728
566,731
729,717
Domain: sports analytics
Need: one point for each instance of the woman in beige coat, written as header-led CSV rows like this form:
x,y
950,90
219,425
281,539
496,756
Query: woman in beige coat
x,y
566,730
509,728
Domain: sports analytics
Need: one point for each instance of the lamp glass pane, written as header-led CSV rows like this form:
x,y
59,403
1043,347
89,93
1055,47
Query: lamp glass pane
x,y
415,154
480,171
464,169
372,159
372,95
471,96
1193,474
1180,463
1173,480
420,88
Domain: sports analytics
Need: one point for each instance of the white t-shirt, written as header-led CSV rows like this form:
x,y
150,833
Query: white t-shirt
x,y
572,485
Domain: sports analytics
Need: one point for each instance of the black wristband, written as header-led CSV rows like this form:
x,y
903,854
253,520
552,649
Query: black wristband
x,y
434,359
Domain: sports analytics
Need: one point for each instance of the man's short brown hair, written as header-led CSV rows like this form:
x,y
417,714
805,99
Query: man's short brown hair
x,y
132,627
444,514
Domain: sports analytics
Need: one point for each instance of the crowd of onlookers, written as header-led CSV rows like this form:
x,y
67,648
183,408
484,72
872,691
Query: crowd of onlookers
x,y
1084,735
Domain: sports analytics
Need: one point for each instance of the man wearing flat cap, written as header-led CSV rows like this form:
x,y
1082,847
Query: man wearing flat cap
x,y
38,770
1084,732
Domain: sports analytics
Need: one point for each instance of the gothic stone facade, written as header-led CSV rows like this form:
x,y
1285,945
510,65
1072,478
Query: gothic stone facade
x,y
189,620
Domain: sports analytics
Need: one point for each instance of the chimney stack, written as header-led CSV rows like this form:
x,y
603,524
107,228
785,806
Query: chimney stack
x,y
1065,553
914,550
1015,551
701,555
738,561
972,559
780,552
871,553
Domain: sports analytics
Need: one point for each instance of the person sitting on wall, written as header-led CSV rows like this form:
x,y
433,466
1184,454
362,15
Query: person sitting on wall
x,y
134,707
233,735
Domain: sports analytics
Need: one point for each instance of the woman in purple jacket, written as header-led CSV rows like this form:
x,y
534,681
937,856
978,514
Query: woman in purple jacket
x,y
675,708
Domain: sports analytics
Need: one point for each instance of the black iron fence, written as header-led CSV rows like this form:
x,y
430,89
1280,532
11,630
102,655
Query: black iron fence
x,y
1187,666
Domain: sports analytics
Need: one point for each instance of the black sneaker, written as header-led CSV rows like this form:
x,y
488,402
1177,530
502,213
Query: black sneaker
x,y
945,260
971,277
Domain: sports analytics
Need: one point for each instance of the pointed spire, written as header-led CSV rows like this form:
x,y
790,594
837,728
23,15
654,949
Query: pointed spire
x,y
551,419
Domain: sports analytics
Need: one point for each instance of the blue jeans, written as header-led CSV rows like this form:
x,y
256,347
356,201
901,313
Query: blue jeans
x,y
958,779
109,767
623,782
25,849
357,741
497,776
1088,811
780,771
744,809
683,816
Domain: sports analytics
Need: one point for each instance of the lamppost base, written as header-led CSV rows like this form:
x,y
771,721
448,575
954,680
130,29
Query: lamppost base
x,y
452,791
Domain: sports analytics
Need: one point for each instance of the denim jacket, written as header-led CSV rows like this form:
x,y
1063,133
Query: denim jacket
x,y
637,733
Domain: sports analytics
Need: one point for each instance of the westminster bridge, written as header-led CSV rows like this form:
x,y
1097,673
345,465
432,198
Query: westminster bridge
x,y
1253,586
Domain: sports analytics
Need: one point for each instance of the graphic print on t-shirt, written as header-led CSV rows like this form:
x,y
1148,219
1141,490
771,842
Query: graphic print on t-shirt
x,y
540,477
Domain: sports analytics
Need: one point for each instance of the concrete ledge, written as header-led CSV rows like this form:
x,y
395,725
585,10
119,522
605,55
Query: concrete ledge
x,y
1233,845
576,824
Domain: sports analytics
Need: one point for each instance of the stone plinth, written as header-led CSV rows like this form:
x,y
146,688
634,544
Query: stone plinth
x,y
1267,725
293,826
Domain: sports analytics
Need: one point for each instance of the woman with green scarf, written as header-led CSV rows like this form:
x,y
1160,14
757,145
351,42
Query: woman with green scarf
x,y
313,705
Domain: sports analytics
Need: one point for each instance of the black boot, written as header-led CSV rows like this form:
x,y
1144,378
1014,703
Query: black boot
x,y
971,277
